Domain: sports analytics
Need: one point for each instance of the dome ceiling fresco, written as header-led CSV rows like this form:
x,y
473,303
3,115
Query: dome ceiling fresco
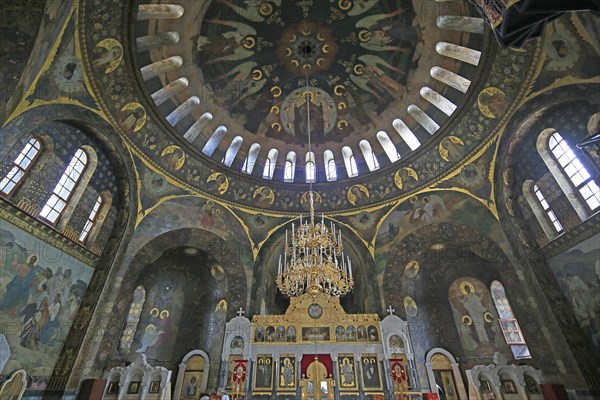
x,y
366,63
357,68
213,93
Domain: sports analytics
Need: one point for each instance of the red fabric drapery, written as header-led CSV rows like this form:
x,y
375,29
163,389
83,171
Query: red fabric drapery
x,y
307,359
399,373
238,378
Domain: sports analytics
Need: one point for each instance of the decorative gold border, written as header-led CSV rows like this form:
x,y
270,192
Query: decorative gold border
x,y
339,365
287,390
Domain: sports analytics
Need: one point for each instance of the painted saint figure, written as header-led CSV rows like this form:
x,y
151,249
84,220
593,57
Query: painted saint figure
x,y
17,290
191,387
287,373
347,372
472,303
150,337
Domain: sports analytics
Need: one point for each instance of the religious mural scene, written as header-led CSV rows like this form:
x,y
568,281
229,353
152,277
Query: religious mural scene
x,y
300,199
578,274
42,288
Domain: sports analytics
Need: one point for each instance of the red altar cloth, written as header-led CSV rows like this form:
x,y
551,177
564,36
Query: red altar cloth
x,y
307,359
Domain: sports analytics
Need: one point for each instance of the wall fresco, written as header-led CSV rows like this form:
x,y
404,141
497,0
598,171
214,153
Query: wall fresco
x,y
578,274
41,290
431,208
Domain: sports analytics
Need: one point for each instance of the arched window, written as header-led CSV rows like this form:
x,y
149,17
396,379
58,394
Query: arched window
x,y
541,209
370,157
330,167
232,151
388,146
439,101
508,323
91,220
406,134
212,143
553,219
64,188
290,167
423,119
575,171
350,162
457,52
191,134
20,167
270,163
450,78
311,171
133,317
251,159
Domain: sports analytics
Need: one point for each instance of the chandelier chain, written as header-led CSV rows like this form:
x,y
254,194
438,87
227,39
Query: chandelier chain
x,y
313,260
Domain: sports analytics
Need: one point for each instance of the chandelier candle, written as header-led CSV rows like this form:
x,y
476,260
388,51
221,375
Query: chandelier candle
x,y
316,260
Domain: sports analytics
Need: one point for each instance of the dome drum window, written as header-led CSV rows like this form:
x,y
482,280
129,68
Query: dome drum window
x,y
266,105
270,162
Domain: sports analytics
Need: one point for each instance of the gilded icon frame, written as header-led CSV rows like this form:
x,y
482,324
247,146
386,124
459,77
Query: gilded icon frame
x,y
281,378
368,386
263,359
342,369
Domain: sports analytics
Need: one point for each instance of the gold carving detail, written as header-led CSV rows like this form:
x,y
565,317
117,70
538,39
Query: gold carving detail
x,y
332,316
440,361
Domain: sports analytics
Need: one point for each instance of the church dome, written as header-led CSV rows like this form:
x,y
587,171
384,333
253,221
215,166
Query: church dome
x,y
398,94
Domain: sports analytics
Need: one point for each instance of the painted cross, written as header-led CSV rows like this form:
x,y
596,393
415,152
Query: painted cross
x,y
391,310
240,312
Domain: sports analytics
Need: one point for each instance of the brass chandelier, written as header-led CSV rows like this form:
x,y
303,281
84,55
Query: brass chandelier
x,y
313,260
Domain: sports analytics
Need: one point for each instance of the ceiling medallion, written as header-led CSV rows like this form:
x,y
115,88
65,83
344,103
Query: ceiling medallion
x,y
307,47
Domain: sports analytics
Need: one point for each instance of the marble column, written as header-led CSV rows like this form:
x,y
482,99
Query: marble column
x,y
460,385
336,376
387,376
431,378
